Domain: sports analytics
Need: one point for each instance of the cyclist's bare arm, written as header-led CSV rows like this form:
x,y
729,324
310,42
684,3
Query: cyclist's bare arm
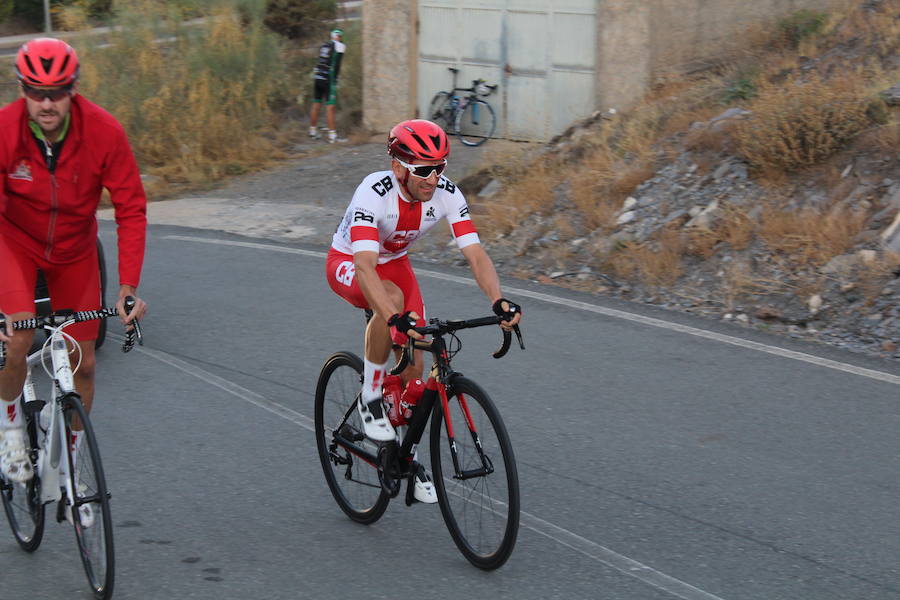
x,y
486,276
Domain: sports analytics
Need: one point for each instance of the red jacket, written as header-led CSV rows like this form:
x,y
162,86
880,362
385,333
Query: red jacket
x,y
54,215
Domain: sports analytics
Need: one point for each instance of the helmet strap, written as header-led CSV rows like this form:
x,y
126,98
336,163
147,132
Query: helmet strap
x,y
405,189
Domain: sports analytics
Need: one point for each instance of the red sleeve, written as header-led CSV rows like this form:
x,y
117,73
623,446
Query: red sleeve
x,y
123,180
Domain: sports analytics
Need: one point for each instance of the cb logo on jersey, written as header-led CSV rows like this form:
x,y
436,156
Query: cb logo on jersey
x,y
345,272
400,240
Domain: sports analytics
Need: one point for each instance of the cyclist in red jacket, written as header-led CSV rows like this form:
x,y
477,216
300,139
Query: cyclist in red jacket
x,y
57,153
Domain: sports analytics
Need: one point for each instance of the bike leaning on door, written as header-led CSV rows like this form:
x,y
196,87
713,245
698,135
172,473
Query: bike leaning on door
x,y
464,111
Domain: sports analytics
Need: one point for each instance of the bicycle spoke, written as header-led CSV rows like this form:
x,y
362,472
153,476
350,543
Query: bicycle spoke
x,y
360,496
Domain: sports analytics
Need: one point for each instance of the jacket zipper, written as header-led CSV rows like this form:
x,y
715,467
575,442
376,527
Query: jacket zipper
x,y
53,200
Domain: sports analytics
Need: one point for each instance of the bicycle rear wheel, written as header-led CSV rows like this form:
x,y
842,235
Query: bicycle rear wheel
x,y
353,480
439,110
475,123
89,508
22,501
480,502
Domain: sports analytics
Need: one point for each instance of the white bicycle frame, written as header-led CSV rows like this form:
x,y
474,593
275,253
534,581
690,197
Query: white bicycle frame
x,y
49,423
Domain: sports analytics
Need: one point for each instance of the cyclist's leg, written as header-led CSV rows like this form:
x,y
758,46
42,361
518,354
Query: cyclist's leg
x,y
318,96
17,301
76,286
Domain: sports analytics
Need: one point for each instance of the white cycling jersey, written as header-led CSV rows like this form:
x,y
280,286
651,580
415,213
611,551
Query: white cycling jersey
x,y
380,220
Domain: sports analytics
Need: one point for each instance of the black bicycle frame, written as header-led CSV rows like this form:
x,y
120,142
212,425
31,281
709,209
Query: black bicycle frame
x,y
439,380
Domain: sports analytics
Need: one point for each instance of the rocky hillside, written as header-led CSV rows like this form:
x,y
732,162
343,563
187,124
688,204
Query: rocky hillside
x,y
802,240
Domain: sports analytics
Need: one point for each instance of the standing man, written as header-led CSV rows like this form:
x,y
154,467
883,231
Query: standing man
x,y
325,83
368,265
57,153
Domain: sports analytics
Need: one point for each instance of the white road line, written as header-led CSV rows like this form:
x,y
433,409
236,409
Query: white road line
x,y
562,536
610,312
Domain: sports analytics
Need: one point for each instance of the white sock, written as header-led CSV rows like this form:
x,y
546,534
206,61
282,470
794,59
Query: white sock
x,y
12,414
373,376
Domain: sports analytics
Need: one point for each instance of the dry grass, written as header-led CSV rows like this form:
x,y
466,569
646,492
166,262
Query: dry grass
x,y
656,263
803,122
810,236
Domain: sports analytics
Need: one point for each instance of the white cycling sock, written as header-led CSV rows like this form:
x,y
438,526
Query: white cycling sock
x,y
373,376
12,414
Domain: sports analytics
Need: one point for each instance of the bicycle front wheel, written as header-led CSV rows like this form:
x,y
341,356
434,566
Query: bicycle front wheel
x,y
480,500
351,475
88,511
475,123
22,501
439,110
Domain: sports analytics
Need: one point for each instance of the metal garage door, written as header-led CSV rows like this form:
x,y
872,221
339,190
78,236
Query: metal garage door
x,y
542,53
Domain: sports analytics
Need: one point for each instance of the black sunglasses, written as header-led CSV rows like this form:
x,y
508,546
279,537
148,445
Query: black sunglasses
x,y
424,171
53,94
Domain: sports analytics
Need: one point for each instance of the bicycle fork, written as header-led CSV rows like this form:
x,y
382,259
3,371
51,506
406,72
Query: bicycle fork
x,y
487,467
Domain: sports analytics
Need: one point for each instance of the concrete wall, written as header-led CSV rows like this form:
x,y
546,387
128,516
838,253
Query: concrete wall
x,y
390,45
637,41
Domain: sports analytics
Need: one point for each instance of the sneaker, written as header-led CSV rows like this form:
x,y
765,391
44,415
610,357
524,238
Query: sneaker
x,y
375,421
333,137
314,133
85,511
15,464
424,488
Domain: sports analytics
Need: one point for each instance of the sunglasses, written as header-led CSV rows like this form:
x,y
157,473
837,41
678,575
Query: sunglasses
x,y
53,94
424,171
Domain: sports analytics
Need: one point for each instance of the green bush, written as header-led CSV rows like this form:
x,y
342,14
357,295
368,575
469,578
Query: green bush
x,y
6,9
299,19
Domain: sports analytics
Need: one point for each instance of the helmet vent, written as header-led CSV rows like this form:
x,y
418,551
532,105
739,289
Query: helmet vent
x,y
47,63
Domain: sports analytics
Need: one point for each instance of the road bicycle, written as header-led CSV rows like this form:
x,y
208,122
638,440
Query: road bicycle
x,y
468,116
475,474
69,475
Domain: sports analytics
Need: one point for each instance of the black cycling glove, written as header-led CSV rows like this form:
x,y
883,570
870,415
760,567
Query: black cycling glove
x,y
508,315
399,325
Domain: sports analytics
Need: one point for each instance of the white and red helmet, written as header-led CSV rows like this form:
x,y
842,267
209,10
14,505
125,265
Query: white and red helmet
x,y
418,139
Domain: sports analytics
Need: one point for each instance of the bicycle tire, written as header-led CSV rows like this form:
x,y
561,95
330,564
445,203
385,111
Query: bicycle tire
x,y
481,512
439,110
95,538
22,501
353,482
475,123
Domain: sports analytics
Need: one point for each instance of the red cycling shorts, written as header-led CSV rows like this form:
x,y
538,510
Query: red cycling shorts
x,y
340,272
74,285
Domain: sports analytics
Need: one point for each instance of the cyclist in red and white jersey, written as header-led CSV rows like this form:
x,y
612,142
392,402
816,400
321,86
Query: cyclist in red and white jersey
x,y
57,153
368,265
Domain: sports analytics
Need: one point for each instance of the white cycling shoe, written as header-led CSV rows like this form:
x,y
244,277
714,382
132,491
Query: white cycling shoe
x,y
424,489
85,511
15,464
375,422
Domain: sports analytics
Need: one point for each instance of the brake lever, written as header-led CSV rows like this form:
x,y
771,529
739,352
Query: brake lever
x,y
134,334
519,336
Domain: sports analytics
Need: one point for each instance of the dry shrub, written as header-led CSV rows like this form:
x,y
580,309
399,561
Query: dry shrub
x,y
531,193
736,228
198,106
809,235
701,242
874,276
739,281
655,263
802,122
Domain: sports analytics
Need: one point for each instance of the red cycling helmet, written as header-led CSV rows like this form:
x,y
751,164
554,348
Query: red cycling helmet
x,y
418,139
46,62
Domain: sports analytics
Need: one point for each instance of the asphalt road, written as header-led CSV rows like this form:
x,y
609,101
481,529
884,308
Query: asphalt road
x,y
660,456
